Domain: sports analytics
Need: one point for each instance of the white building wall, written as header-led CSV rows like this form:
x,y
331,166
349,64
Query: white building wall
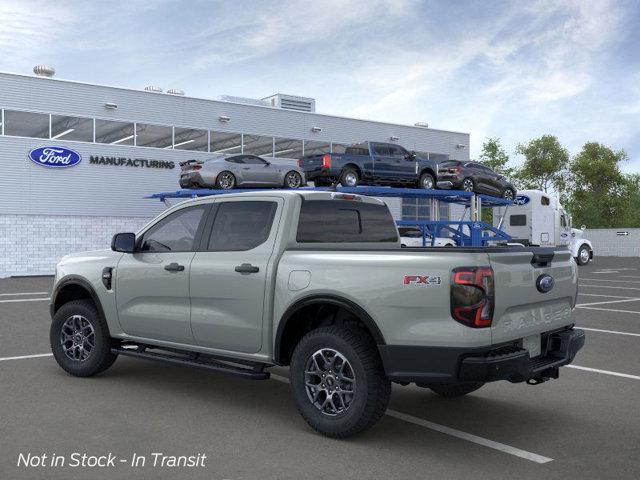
x,y
612,242
33,244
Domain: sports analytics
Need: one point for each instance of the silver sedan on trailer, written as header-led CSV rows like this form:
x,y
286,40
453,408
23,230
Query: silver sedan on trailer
x,y
231,171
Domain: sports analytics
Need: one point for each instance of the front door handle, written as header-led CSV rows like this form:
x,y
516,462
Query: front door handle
x,y
247,268
174,267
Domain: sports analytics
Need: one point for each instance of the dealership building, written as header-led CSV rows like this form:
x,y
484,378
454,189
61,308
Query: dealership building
x,y
128,144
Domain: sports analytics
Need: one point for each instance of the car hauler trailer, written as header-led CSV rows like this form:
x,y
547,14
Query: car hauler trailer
x,y
538,219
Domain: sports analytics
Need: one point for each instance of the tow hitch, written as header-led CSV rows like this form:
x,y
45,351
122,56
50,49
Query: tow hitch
x,y
544,376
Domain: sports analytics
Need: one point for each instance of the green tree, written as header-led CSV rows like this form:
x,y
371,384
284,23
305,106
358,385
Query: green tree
x,y
600,194
495,157
545,164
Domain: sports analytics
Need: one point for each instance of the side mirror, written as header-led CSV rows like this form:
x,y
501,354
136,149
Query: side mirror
x,y
267,163
583,227
123,242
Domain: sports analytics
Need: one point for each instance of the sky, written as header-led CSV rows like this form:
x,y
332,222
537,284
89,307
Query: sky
x,y
514,70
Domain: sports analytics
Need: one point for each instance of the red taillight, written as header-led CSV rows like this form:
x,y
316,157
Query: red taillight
x,y
299,163
326,161
196,167
472,296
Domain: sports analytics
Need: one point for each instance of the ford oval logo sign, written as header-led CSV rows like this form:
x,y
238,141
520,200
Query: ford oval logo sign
x,y
545,283
521,200
56,157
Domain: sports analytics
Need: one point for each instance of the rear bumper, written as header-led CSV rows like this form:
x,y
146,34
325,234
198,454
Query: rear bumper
x,y
320,173
191,180
449,183
481,364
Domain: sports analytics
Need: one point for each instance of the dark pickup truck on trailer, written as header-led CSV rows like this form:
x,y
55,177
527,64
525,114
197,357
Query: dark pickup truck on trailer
x,y
371,163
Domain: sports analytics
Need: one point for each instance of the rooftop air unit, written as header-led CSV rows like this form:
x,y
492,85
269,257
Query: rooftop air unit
x,y
292,102
175,91
244,100
153,88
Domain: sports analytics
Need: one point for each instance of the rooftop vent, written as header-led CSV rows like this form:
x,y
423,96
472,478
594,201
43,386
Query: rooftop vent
x,y
153,88
292,102
44,71
175,91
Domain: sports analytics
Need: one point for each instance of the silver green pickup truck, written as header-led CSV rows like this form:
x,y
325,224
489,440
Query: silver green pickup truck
x,y
316,281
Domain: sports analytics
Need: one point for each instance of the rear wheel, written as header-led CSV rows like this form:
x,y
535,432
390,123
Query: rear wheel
x,y
468,185
338,381
508,194
225,181
293,180
349,178
584,255
451,390
80,339
427,181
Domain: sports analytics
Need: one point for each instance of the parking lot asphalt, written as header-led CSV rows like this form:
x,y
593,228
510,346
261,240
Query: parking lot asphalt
x,y
584,425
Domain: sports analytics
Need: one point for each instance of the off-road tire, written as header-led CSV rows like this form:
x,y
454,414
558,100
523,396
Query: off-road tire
x,y
100,358
452,390
372,387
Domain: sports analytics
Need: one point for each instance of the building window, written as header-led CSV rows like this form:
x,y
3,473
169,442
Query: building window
x,y
26,124
190,139
316,148
157,136
287,148
258,145
114,133
226,143
420,209
72,128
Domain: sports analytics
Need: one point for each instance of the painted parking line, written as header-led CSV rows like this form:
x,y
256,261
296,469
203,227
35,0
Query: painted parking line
x,y
601,295
608,286
606,372
469,437
610,331
608,301
23,293
24,357
17,300
608,280
609,310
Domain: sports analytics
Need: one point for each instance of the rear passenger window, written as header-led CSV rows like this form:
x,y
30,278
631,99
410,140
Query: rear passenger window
x,y
343,221
517,220
241,225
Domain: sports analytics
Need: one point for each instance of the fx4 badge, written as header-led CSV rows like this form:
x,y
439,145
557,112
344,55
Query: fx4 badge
x,y
422,280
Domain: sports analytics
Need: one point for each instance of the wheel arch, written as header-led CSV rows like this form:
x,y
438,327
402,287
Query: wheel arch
x,y
290,329
355,166
74,287
428,170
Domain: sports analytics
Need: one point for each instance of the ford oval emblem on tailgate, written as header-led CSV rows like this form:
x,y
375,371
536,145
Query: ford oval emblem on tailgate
x,y
57,157
545,283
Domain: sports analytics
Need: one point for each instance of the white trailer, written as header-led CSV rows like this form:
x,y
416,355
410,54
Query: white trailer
x,y
537,218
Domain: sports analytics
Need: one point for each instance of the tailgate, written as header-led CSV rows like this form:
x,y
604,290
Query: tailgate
x,y
521,309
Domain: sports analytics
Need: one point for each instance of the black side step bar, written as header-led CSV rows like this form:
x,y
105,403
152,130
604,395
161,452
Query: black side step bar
x,y
252,372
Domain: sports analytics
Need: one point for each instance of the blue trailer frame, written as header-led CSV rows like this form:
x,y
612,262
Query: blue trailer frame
x,y
478,233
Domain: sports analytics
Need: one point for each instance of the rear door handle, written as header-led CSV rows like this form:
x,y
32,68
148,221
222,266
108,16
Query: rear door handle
x,y
174,267
247,268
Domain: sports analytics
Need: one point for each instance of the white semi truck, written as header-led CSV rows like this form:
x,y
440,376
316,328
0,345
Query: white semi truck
x,y
538,219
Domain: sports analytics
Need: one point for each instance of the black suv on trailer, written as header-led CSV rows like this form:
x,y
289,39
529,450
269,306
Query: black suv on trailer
x,y
474,177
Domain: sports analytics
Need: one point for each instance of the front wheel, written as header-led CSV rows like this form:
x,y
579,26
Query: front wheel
x,y
80,339
584,255
338,381
452,390
293,180
427,182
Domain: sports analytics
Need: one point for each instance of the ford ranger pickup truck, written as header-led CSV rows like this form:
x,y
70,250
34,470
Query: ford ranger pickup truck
x,y
316,281
371,163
